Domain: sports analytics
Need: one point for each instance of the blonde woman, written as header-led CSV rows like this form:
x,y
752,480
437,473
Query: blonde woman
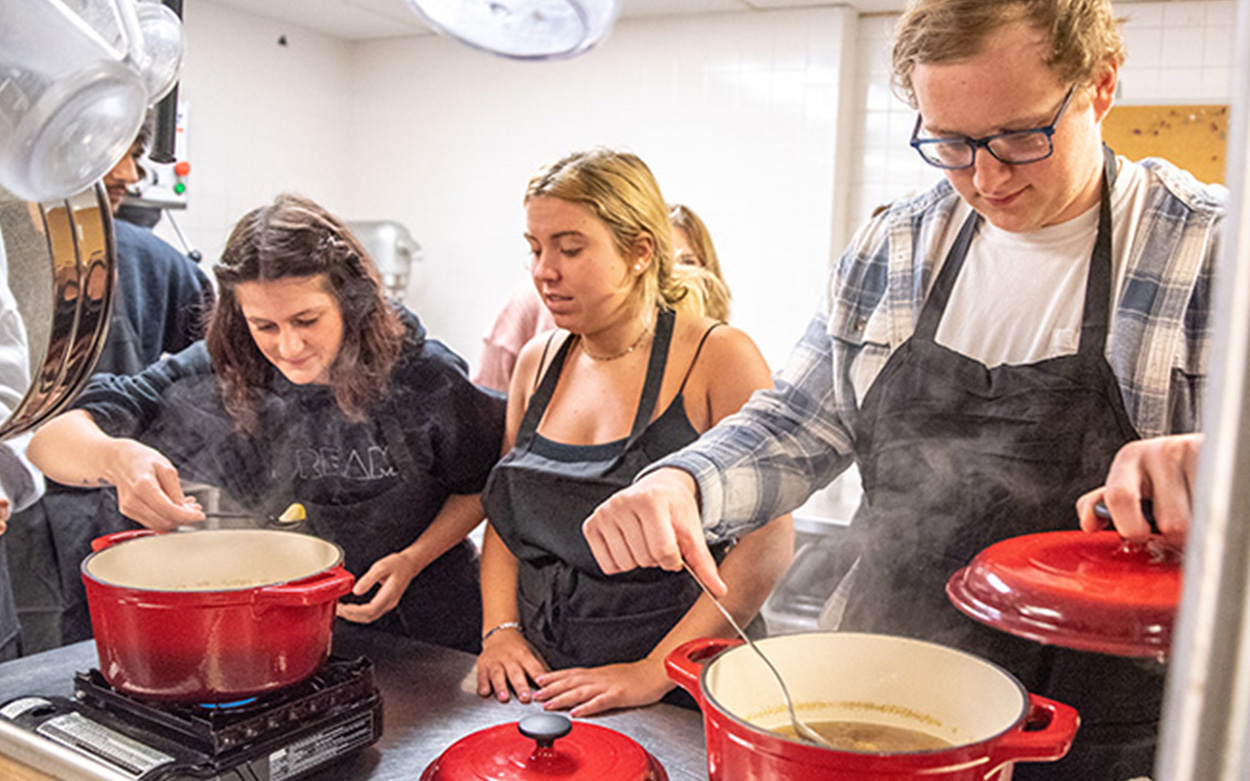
x,y
624,381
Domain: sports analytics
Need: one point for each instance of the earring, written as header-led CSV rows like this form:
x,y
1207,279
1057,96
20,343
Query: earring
x,y
637,267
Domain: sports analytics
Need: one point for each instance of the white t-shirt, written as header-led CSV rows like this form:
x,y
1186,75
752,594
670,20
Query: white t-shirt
x,y
1019,297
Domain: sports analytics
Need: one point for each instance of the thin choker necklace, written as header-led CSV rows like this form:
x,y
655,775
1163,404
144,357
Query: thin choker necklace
x,y
645,333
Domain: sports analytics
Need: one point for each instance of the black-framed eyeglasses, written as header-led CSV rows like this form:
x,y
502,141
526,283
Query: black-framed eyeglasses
x,y
1016,147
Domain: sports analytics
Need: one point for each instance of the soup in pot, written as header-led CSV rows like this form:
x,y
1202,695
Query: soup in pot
x,y
874,738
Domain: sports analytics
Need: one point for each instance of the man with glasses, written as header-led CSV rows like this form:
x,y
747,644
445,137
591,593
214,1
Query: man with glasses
x,y
983,351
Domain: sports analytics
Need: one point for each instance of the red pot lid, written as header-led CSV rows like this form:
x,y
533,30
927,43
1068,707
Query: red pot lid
x,y
545,746
1092,592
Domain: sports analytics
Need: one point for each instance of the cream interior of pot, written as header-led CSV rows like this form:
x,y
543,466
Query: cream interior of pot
x,y
874,679
218,560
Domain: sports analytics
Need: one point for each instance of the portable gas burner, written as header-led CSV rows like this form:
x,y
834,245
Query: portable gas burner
x,y
280,736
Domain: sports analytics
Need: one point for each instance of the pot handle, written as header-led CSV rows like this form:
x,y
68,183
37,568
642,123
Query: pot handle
x,y
1044,735
322,587
109,540
685,662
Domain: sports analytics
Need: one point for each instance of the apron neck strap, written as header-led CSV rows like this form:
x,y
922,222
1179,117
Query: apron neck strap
x,y
542,396
650,391
1095,323
655,373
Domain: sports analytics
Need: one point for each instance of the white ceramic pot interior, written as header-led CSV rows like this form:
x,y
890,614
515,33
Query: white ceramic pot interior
x,y
877,679
218,560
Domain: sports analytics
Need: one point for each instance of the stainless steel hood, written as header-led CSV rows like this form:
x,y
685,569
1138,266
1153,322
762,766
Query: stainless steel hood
x,y
1206,718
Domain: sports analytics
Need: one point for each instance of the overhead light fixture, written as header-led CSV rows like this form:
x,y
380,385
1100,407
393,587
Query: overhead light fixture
x,y
522,29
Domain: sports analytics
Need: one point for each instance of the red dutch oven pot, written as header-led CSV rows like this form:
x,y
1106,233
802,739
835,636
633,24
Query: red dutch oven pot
x,y
212,616
984,712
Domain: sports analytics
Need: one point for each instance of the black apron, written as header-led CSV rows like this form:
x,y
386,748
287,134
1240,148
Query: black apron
x,y
955,457
50,539
538,496
9,629
443,603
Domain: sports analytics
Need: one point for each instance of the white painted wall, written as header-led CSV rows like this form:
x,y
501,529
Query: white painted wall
x,y
777,127
735,114
260,118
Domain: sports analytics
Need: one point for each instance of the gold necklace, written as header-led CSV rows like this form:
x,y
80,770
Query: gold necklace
x,y
645,333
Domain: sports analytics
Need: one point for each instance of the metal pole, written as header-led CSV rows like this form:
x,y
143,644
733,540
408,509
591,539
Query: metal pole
x,y
1206,716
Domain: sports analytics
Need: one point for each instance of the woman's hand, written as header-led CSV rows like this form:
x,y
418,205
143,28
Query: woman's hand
x,y
394,573
1161,469
588,691
148,488
506,659
6,509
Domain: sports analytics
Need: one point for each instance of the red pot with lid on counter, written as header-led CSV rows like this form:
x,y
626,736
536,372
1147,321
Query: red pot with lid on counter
x,y
545,746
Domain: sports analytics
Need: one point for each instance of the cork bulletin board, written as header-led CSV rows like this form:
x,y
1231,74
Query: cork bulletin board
x,y
1193,137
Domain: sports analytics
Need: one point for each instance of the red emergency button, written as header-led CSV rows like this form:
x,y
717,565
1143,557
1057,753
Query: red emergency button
x,y
183,168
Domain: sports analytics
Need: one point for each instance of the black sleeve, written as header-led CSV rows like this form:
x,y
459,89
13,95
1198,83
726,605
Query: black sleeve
x,y
468,420
126,405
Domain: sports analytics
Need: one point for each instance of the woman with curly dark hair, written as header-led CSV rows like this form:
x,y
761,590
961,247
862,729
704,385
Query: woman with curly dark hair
x,y
311,387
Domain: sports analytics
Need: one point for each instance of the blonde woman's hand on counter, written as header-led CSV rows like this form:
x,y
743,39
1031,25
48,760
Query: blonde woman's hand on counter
x,y
508,662
586,691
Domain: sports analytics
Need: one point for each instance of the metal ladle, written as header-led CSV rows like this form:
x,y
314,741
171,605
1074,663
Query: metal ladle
x,y
800,727
291,515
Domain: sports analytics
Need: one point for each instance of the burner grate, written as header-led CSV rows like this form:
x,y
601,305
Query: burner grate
x,y
338,687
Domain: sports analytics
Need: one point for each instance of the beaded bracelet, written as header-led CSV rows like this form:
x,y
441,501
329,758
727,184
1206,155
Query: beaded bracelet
x,y
504,625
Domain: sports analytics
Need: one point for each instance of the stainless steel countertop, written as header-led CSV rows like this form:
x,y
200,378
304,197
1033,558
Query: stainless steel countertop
x,y
429,702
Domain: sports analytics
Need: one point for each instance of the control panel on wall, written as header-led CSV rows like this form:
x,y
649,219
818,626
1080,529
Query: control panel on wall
x,y
166,185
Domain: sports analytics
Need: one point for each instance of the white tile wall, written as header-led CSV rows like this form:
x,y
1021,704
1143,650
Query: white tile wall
x,y
1178,52
778,127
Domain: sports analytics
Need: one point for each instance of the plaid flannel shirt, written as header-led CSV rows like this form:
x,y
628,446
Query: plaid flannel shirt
x,y
788,442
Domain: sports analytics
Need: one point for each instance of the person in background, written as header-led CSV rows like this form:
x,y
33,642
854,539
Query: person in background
x,y
163,297
161,300
625,381
692,246
707,295
982,353
21,483
310,387
523,316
